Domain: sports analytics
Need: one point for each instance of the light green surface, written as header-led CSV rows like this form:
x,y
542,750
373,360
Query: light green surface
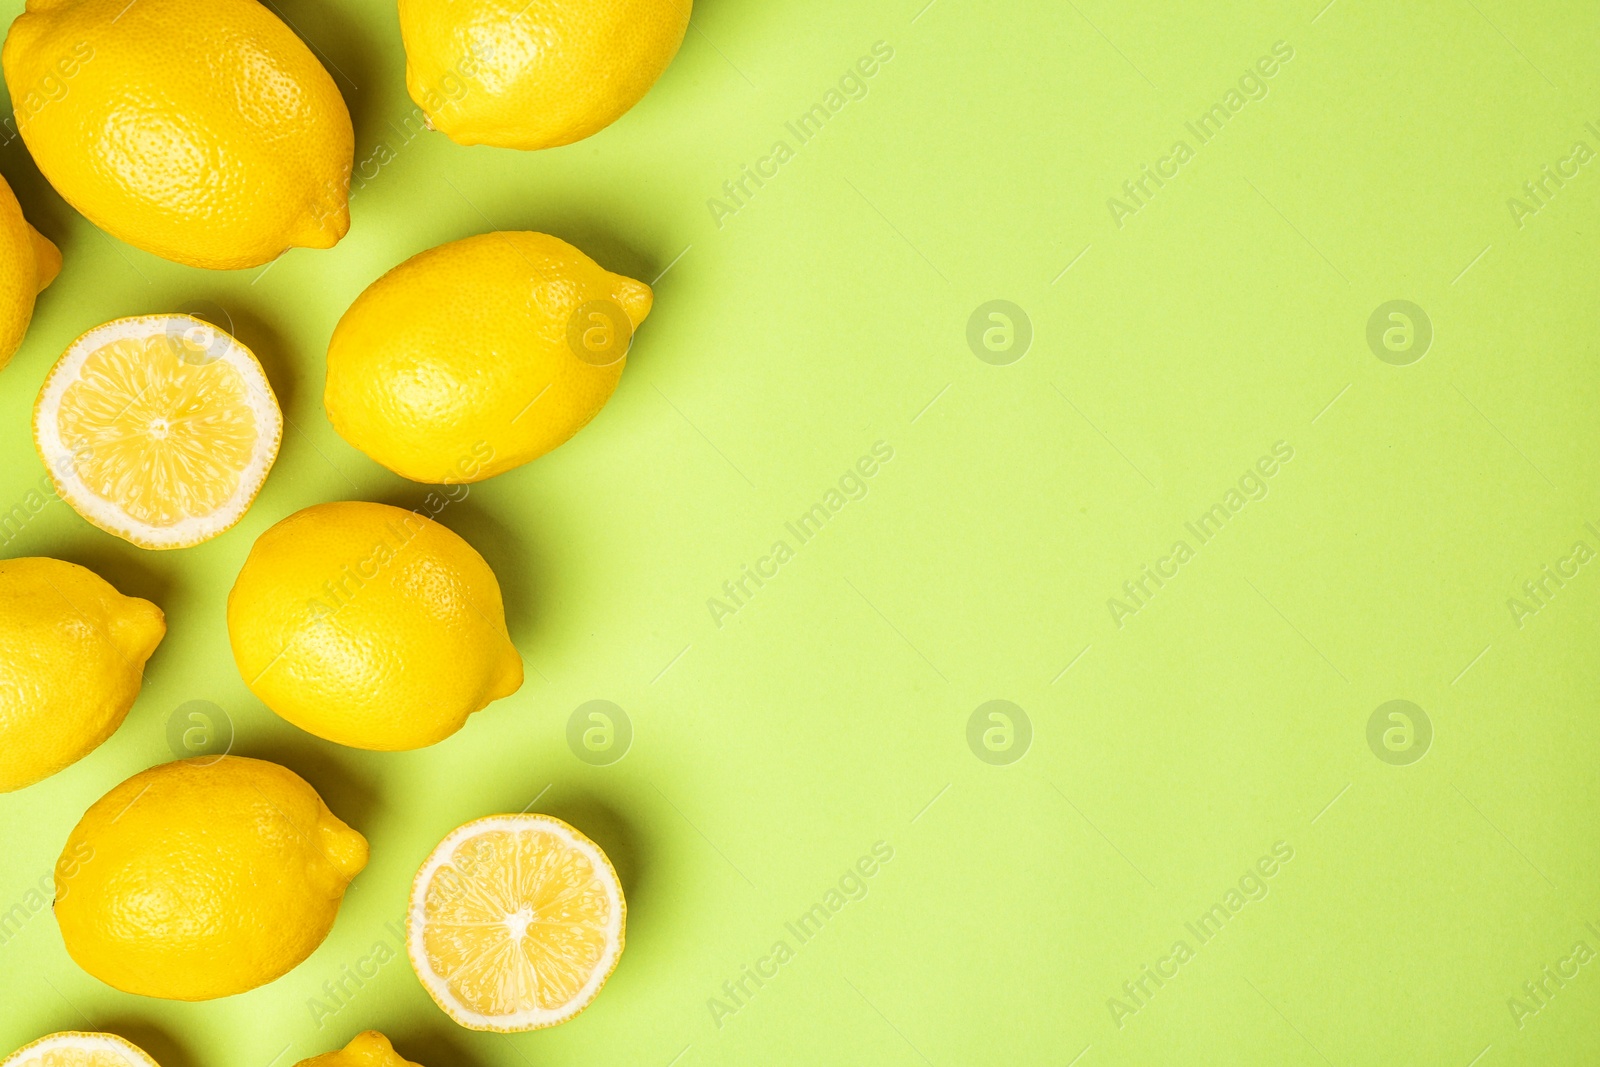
x,y
830,712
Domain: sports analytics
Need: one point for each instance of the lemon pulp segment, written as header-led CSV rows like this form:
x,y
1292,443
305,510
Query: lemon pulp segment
x,y
74,1056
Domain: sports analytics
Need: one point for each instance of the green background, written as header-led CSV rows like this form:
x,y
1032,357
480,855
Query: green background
x,y
1168,754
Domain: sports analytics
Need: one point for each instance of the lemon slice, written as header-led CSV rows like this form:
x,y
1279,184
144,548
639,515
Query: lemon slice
x,y
516,922
159,429
74,1049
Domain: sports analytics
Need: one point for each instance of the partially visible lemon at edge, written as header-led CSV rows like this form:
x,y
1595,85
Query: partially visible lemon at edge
x,y
76,1048
72,656
367,1049
536,74
28,263
202,131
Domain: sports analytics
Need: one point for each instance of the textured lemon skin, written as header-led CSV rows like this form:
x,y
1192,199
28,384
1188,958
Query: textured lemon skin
x,y
203,878
28,263
370,626
367,1049
456,365
203,131
72,655
536,74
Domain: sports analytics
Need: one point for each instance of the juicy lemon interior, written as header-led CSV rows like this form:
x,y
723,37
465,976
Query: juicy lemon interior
x,y
158,427
516,920
69,1056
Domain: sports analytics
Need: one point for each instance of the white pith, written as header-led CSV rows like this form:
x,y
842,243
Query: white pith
x,y
132,1054
532,1018
58,456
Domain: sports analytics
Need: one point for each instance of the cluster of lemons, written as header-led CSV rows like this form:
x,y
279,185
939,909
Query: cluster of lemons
x,y
206,132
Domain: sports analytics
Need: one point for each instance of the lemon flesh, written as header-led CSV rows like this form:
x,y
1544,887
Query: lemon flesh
x,y
202,131
479,355
370,626
72,656
203,878
78,1049
516,922
160,429
28,263
535,74
368,1049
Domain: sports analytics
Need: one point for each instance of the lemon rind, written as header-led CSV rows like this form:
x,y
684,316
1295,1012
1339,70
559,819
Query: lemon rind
x,y
58,458
532,1018
87,1041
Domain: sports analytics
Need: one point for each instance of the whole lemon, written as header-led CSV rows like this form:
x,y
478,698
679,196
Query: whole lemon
x,y
370,626
367,1049
28,263
474,357
203,878
203,131
535,74
72,655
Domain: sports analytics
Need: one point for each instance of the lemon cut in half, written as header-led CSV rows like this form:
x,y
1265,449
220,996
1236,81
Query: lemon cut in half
x,y
516,922
74,1049
160,429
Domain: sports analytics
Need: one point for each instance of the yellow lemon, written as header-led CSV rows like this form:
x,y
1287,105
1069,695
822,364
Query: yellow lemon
x,y
160,429
28,263
203,131
203,878
516,921
368,1049
72,655
370,626
76,1049
474,357
535,73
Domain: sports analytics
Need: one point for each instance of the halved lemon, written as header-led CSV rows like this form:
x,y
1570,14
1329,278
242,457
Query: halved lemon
x,y
76,1049
159,429
516,922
